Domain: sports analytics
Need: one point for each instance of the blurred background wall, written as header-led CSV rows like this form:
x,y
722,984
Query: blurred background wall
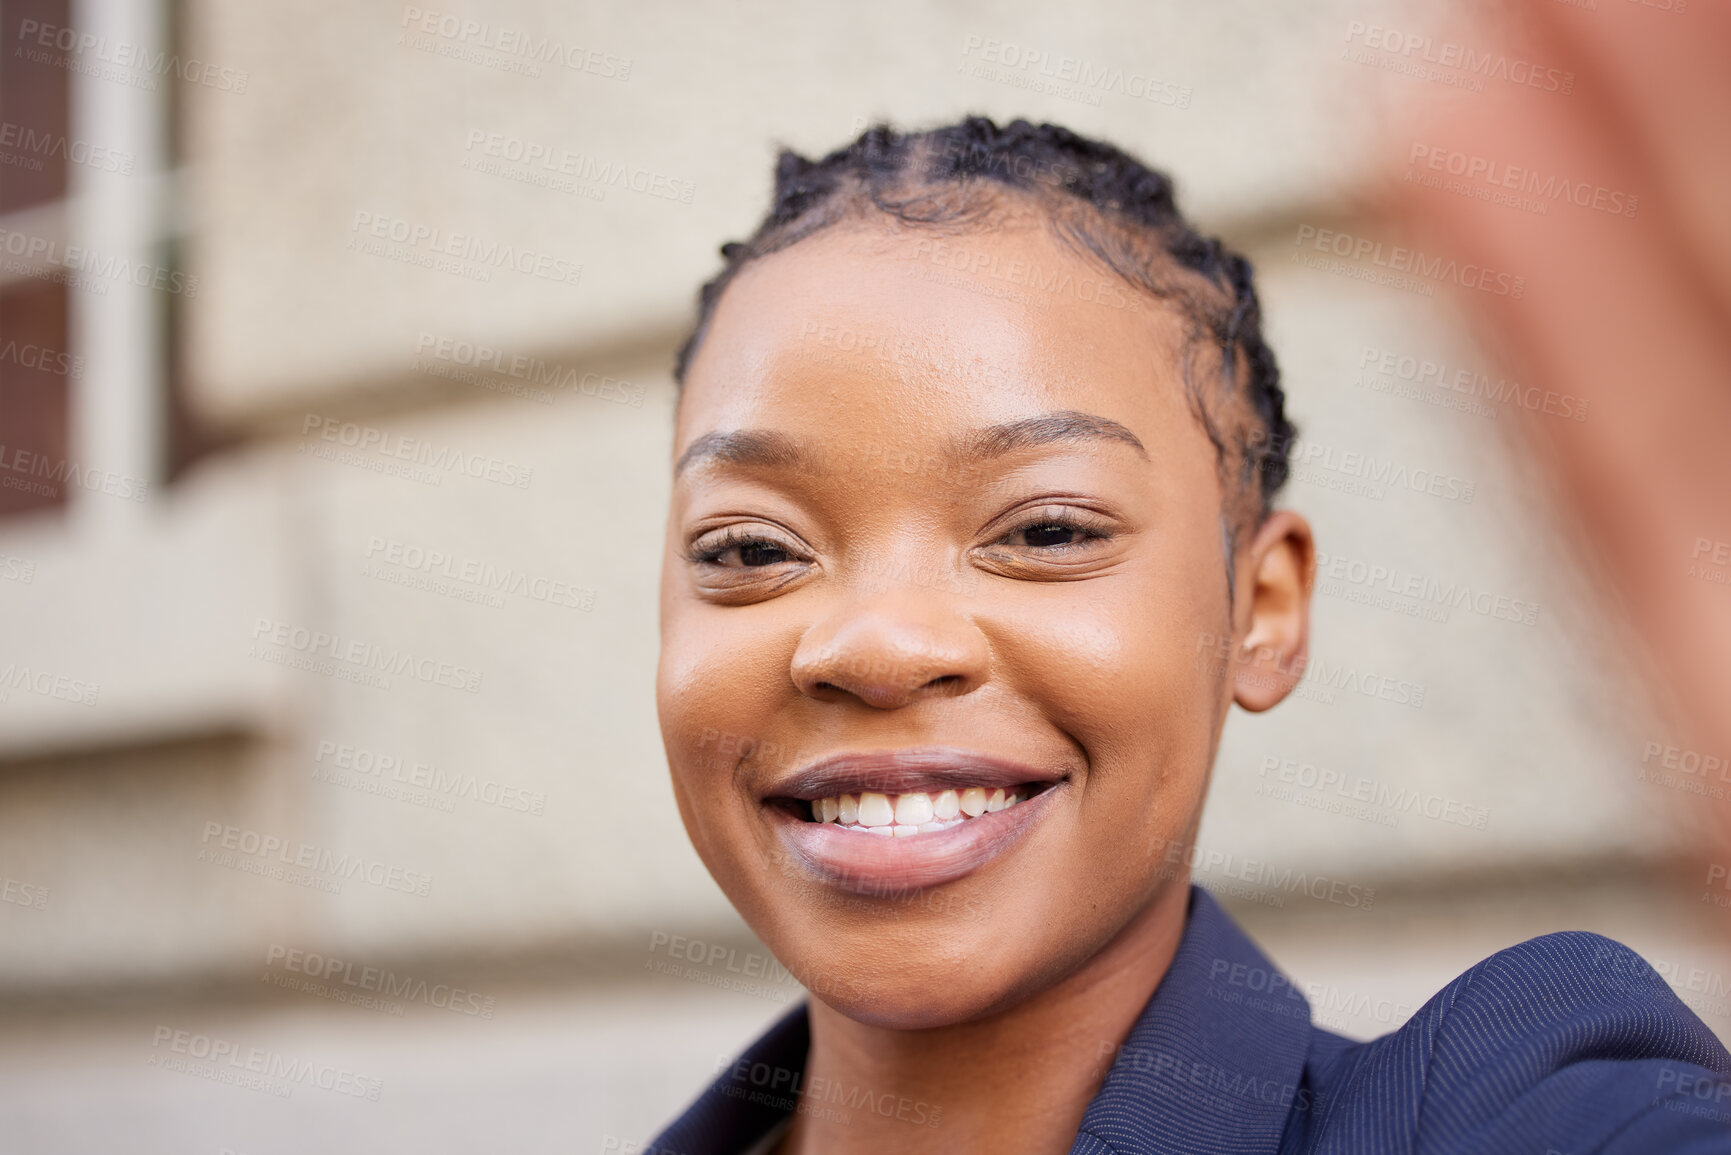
x,y
335,413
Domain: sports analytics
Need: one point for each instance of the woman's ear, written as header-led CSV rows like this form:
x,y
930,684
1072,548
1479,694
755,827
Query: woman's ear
x,y
1273,617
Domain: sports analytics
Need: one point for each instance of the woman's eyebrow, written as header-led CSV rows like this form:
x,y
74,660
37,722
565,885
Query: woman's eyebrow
x,y
743,447
1045,429
765,447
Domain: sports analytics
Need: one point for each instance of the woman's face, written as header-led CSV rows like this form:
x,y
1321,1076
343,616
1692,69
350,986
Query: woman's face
x,y
941,527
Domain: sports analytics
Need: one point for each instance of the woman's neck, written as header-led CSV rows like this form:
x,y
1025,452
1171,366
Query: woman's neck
x,y
1017,1082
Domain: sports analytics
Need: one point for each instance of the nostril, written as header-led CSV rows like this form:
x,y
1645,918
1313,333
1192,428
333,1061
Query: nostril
x,y
946,682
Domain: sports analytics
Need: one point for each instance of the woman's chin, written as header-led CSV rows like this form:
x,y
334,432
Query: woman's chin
x,y
923,994
909,1007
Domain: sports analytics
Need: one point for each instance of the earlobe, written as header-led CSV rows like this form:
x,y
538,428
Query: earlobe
x,y
1274,617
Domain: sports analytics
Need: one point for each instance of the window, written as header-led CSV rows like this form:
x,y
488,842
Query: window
x,y
36,366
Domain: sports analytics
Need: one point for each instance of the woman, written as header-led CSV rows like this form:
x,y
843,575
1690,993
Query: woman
x,y
971,548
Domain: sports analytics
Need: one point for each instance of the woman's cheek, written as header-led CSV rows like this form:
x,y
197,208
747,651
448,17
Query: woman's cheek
x,y
718,692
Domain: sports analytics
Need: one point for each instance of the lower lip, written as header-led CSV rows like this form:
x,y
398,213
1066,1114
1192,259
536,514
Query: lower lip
x,y
875,866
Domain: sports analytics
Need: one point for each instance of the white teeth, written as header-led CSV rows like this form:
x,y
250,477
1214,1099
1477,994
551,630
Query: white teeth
x,y
875,810
916,812
913,809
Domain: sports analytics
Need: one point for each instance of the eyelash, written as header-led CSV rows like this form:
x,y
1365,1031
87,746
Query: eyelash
x,y
1090,528
734,537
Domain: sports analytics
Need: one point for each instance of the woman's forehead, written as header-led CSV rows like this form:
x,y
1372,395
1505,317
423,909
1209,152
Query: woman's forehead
x,y
995,321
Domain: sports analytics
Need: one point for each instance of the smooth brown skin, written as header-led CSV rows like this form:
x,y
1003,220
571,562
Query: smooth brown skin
x,y
914,609
1631,313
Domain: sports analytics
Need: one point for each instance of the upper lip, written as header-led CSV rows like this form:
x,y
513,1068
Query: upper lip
x,y
917,770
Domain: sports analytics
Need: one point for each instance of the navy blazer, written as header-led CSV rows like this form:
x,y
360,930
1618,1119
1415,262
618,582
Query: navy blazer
x,y
1563,1045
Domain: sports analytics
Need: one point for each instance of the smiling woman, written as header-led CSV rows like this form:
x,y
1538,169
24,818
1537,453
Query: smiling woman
x,y
981,697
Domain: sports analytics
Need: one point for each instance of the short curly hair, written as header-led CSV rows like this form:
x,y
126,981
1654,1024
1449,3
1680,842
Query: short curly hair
x,y
1101,201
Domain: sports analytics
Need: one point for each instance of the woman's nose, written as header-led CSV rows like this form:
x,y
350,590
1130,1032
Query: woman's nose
x,y
891,650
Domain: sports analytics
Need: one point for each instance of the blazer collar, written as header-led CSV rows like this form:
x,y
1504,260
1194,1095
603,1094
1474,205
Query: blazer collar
x,y
1215,1061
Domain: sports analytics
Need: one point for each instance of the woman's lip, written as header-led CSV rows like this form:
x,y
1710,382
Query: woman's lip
x,y
875,866
924,769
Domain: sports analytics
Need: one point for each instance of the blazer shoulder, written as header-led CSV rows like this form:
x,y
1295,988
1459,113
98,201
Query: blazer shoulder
x,y
1557,999
1564,978
1572,1036
1573,1027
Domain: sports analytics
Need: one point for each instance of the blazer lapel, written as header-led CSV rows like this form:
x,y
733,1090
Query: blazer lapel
x,y
1216,1060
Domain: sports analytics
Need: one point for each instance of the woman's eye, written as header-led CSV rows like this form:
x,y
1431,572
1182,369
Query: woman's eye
x,y
1050,534
756,553
740,551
